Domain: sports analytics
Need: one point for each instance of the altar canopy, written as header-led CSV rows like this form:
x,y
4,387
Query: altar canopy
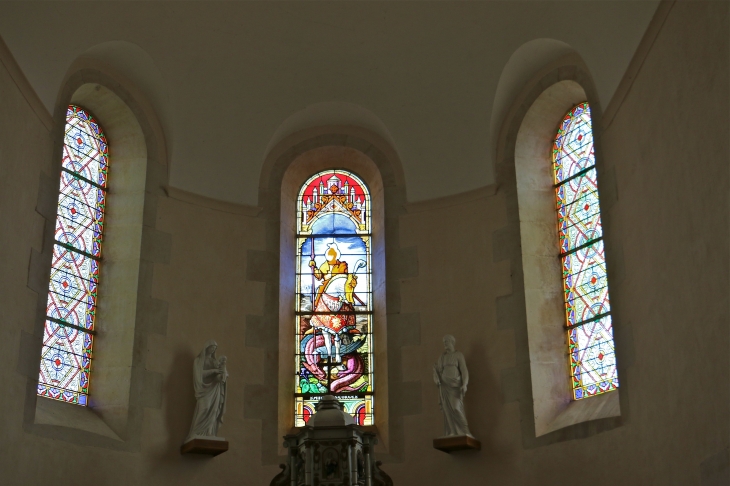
x,y
333,303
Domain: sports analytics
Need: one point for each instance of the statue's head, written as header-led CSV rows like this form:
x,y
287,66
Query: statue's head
x,y
210,350
333,253
449,342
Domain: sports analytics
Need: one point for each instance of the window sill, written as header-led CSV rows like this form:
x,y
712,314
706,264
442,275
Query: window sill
x,y
58,414
585,410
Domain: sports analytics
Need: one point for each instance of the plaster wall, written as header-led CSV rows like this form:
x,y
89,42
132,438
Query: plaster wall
x,y
664,180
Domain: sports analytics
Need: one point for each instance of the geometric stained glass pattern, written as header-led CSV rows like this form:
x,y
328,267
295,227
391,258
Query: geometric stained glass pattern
x,y
72,292
585,285
333,301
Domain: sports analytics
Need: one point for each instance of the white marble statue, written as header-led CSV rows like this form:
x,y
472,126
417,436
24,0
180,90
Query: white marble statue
x,y
452,378
209,379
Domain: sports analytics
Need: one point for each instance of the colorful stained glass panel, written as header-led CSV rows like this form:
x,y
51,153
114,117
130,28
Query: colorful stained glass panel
x,y
592,358
333,301
573,147
72,292
585,282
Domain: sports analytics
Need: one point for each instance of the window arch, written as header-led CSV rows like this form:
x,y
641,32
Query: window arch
x,y
66,354
585,284
547,287
334,305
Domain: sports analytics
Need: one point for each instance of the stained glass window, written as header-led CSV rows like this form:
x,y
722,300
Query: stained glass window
x,y
585,285
333,304
71,306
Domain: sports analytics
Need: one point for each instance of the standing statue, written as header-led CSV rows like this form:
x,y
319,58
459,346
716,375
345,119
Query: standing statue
x,y
209,379
452,378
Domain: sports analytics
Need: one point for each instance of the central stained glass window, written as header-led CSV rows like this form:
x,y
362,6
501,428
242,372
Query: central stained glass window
x,y
334,306
585,285
71,305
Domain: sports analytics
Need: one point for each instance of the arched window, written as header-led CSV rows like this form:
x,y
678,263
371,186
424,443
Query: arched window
x,y
585,285
72,295
333,305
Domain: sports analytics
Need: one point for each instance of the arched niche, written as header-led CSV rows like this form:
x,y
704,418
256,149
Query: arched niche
x,y
523,167
119,385
289,164
521,67
553,404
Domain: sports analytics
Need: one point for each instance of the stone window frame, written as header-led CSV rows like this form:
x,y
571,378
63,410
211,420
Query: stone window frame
x,y
120,386
535,309
287,165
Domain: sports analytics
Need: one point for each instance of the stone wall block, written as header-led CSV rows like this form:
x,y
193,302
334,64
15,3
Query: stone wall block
x,y
29,355
358,144
257,403
152,315
149,214
516,384
511,313
262,331
566,73
506,244
615,263
403,262
392,296
38,268
156,245
715,470
406,398
47,202
624,341
262,266
151,393
607,186
156,176
320,141
404,329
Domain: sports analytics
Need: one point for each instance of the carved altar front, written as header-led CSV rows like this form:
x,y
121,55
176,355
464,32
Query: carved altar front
x,y
331,451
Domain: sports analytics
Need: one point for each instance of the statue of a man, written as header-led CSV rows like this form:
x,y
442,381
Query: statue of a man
x,y
209,379
452,377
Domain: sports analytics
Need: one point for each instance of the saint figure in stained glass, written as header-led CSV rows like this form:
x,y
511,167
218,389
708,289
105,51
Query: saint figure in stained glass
x,y
72,294
334,298
580,233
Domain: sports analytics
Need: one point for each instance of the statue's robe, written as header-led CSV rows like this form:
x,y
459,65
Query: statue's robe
x,y
210,395
451,396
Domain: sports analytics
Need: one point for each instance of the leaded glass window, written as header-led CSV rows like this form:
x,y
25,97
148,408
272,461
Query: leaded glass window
x,y
72,294
585,285
334,306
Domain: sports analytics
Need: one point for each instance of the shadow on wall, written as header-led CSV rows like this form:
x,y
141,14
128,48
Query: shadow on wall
x,y
483,402
178,408
329,113
521,67
137,65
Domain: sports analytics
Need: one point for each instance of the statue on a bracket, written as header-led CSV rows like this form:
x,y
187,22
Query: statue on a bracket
x,y
210,377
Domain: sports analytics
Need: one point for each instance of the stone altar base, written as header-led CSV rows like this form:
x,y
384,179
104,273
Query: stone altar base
x,y
457,443
204,446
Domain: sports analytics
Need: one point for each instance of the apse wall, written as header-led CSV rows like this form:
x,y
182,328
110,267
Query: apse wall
x,y
665,182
